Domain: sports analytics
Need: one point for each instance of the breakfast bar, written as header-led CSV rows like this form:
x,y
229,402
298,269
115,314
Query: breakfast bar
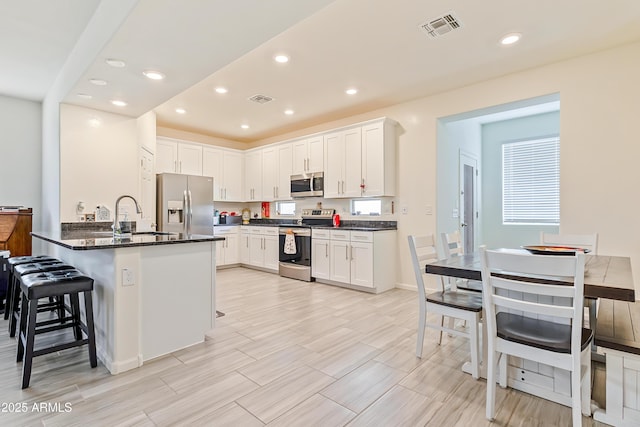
x,y
154,292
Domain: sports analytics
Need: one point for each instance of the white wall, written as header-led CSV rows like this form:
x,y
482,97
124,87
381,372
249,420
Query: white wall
x,y
20,145
98,160
493,136
599,125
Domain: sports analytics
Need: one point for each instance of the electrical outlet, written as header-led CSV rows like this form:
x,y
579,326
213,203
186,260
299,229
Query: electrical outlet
x,y
404,210
128,277
428,210
454,213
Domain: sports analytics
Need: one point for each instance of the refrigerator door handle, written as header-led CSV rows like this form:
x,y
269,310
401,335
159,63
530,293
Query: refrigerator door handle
x,y
190,211
185,210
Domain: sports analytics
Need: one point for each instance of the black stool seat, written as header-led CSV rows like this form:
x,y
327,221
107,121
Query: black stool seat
x,y
54,284
20,270
11,289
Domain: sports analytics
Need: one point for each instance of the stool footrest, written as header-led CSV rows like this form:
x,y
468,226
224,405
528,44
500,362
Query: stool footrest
x,y
57,326
60,347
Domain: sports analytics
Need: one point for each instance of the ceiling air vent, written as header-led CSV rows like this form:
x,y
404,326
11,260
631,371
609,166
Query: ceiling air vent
x,y
261,99
441,26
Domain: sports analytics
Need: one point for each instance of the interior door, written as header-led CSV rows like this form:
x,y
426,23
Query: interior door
x,y
468,201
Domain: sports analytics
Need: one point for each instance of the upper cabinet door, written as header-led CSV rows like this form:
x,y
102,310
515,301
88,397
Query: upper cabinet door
x,y
190,159
333,174
232,166
378,159
212,166
300,157
269,173
316,154
352,163
284,172
166,157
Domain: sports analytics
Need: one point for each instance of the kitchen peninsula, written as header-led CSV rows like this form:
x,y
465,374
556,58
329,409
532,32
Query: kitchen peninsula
x,y
154,292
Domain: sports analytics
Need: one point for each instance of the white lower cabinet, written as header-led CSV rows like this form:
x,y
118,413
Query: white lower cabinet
x,y
227,250
361,259
244,243
263,247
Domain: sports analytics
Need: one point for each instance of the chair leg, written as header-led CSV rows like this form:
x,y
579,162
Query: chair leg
x,y
576,393
13,307
473,344
75,313
28,347
8,297
586,383
91,336
452,324
23,330
503,363
441,326
422,318
491,385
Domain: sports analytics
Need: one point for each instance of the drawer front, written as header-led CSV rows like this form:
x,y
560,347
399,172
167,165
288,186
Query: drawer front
x,y
340,235
255,230
270,231
321,234
362,236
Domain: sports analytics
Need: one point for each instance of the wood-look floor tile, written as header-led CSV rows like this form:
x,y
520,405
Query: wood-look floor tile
x,y
204,372
229,415
363,386
315,411
342,360
279,396
275,365
399,407
436,380
270,344
386,335
201,403
403,355
337,338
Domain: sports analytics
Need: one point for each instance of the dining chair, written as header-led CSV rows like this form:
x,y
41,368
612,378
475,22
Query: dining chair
x,y
452,245
460,305
584,241
531,316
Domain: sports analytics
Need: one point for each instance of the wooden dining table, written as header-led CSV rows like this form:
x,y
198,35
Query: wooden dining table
x,y
605,276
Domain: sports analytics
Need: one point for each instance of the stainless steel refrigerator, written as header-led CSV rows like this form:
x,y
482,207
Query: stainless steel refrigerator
x,y
184,203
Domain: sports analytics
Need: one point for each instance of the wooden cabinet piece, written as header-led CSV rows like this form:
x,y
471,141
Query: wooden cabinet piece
x,y
15,229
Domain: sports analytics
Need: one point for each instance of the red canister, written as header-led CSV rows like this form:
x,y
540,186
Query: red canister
x,y
336,220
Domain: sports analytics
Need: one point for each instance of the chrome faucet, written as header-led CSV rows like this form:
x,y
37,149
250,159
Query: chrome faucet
x,y
116,224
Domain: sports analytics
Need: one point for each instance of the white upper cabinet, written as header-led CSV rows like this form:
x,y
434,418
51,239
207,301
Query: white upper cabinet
x,y
226,169
379,159
343,170
276,172
308,155
178,157
360,161
253,176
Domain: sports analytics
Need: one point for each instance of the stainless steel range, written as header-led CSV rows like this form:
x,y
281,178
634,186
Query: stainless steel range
x,y
295,243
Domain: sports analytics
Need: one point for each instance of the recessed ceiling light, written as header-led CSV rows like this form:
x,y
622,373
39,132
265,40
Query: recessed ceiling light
x,y
221,89
116,63
351,91
281,59
289,112
119,103
154,75
510,38
244,126
84,96
98,82
181,110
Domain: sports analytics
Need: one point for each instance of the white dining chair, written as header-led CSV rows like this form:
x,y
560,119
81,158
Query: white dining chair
x,y
528,315
460,305
584,241
452,246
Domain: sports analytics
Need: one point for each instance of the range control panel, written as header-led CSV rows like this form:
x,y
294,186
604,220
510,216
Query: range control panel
x,y
318,213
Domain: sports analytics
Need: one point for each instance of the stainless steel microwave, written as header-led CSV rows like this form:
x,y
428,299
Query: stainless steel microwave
x,y
307,185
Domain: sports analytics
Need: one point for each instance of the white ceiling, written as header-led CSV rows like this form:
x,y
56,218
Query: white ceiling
x,y
374,46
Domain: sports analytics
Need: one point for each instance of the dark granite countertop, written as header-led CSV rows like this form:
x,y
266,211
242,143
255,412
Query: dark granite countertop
x,y
87,240
351,225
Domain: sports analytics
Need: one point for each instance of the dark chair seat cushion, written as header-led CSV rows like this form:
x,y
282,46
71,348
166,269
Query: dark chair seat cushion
x,y
461,300
38,267
55,283
542,334
470,285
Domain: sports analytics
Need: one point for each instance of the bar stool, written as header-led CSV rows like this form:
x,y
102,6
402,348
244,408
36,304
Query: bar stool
x,y
12,262
56,304
54,284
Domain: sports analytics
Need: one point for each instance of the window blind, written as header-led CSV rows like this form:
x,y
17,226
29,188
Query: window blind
x,y
531,181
